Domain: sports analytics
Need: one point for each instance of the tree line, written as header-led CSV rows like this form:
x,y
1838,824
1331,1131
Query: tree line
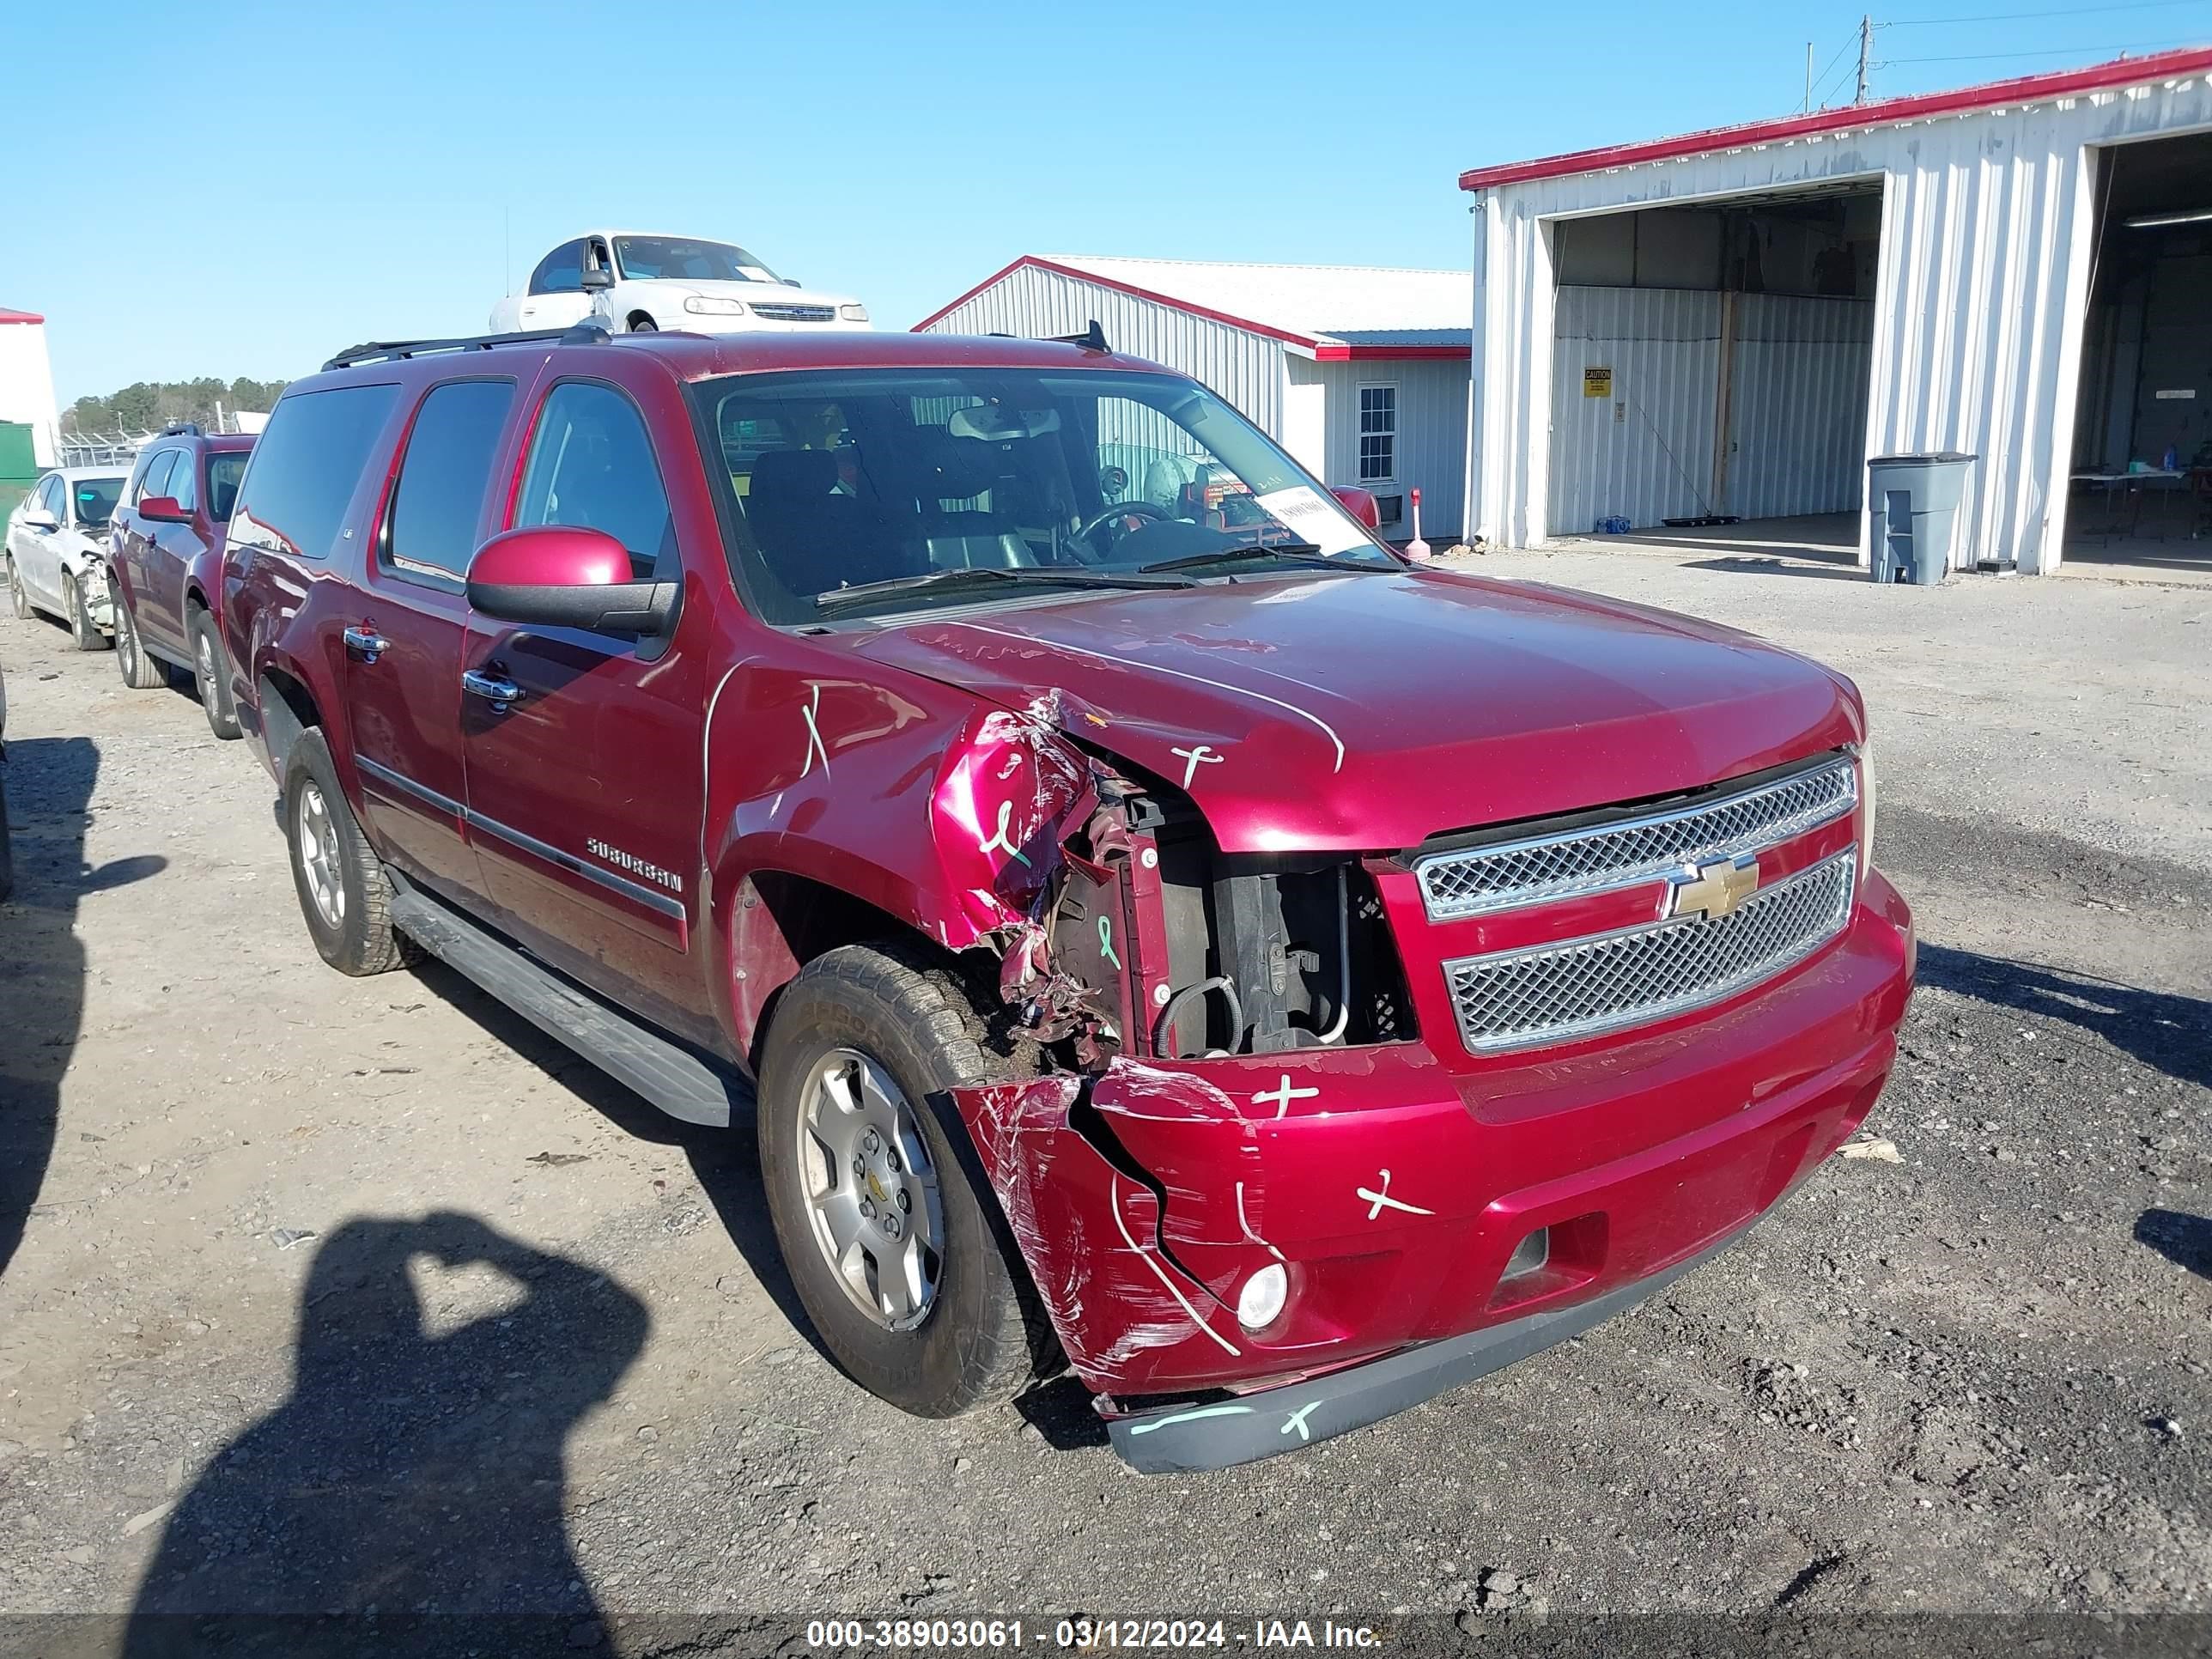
x,y
150,406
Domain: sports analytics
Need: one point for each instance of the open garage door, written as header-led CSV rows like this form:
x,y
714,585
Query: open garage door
x,y
1713,362
2141,486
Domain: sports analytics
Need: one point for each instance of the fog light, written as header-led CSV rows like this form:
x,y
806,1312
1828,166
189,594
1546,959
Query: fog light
x,y
1260,1304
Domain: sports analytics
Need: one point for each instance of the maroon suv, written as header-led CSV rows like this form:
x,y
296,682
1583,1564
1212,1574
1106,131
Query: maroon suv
x,y
165,554
1165,934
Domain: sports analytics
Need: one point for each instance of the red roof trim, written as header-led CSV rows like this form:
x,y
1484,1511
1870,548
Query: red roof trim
x,y
7,316
1081,276
2027,88
1360,354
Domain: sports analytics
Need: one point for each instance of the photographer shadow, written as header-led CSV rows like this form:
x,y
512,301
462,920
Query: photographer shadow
x,y
415,1481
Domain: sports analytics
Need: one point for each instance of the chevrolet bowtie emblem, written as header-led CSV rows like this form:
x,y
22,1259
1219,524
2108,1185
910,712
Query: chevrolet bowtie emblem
x,y
1713,888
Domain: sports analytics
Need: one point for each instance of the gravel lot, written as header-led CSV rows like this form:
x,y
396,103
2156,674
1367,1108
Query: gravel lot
x,y
362,1294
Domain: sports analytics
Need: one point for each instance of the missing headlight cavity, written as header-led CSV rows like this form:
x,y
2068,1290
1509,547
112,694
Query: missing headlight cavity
x,y
1299,944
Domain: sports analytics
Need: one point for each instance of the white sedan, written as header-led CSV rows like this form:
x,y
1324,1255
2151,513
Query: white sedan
x,y
635,283
57,550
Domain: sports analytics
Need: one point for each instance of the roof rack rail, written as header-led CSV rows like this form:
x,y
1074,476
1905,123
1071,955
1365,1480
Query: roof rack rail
x,y
1091,339
589,331
183,430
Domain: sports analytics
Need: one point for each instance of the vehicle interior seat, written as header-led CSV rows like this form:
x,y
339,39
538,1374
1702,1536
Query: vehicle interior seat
x,y
813,535
965,470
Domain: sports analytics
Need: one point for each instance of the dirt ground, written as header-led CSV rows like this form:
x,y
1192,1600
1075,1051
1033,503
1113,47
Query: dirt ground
x,y
362,1294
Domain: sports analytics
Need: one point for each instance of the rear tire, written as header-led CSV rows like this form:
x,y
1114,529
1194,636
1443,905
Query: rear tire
x,y
344,894
211,671
981,1335
140,672
18,602
83,632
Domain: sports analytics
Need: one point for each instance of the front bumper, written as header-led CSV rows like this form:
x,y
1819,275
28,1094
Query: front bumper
x,y
1280,1419
1394,1185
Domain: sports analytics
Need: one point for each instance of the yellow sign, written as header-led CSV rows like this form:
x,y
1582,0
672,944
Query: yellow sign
x,y
1598,383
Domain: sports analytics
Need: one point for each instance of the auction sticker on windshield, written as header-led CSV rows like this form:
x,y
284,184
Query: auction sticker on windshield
x,y
1303,508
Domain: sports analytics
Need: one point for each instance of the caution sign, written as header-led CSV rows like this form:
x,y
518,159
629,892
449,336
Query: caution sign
x,y
1598,383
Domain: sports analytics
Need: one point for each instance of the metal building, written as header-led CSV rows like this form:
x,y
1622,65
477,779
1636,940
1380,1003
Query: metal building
x,y
1360,373
1731,323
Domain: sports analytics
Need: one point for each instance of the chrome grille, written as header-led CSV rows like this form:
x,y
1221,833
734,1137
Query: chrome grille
x,y
1572,863
796,313
1551,993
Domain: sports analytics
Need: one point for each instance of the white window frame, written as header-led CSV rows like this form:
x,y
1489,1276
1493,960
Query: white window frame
x,y
1396,431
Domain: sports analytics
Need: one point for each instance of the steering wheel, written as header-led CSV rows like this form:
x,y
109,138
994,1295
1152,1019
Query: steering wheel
x,y
1119,510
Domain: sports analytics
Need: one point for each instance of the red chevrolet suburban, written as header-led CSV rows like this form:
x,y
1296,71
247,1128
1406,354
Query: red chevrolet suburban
x,y
1155,929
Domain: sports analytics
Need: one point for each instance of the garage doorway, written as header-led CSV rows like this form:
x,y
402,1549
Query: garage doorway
x,y
1711,362
2141,492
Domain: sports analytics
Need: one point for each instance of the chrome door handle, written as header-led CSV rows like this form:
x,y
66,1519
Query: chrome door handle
x,y
366,640
495,689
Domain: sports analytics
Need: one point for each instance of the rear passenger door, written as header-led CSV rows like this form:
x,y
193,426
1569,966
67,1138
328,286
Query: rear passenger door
x,y
585,784
403,649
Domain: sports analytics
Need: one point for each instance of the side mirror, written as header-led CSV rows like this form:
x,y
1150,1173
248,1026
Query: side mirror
x,y
563,576
1360,503
793,281
597,280
40,521
163,509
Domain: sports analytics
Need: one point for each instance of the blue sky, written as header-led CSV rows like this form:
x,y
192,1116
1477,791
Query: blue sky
x,y
241,189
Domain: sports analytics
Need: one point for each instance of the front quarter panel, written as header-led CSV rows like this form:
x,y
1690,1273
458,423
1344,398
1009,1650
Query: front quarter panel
x,y
942,812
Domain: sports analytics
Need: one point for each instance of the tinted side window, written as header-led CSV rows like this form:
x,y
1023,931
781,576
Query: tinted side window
x,y
305,467
184,483
441,481
223,471
561,272
50,499
154,480
590,463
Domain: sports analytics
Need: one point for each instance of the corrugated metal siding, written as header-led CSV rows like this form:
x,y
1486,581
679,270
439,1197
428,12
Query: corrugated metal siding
x,y
1646,452
1431,432
1797,406
1986,234
1244,368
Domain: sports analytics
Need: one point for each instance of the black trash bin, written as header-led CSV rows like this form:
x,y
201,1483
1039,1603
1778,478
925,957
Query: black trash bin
x,y
1913,500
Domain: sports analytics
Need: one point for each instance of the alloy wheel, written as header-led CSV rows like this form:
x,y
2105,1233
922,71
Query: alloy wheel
x,y
206,658
870,1188
318,853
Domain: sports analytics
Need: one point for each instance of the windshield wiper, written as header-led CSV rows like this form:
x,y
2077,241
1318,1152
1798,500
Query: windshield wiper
x,y
839,599
1297,553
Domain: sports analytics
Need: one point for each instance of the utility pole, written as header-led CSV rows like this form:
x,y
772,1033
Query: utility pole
x,y
1866,51
1808,77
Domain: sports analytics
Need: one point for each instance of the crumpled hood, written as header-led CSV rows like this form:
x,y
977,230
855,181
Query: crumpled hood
x,y
1372,712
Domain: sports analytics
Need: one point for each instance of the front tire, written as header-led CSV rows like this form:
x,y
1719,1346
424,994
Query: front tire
x,y
895,1243
140,672
642,324
83,631
344,894
211,672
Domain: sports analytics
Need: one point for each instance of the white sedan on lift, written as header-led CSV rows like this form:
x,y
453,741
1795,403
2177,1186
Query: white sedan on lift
x,y
635,283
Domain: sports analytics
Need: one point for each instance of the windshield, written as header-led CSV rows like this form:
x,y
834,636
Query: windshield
x,y
95,499
688,261
845,479
224,469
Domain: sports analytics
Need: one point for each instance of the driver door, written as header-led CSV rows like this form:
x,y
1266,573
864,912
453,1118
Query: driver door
x,y
557,297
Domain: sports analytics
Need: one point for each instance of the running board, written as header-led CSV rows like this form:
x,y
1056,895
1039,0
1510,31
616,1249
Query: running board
x,y
668,1075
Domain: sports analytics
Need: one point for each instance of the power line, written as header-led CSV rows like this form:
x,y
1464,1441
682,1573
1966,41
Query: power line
x,y
1822,84
2014,16
2046,52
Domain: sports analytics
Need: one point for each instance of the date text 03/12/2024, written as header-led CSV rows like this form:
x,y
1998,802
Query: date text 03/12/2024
x,y
1083,1634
